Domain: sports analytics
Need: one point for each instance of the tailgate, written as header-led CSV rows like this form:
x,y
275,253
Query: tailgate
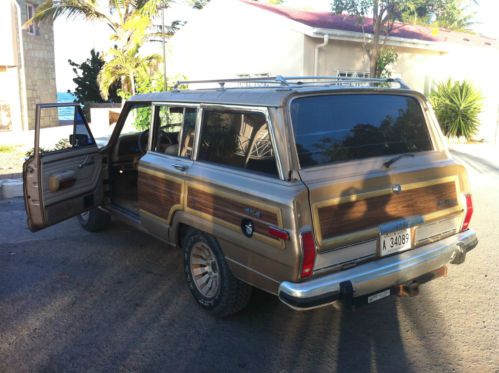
x,y
349,216
379,177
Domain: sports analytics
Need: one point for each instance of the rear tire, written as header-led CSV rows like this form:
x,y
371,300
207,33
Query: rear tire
x,y
209,278
94,220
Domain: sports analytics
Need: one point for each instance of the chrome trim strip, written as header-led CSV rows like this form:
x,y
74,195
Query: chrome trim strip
x,y
152,128
175,103
197,133
401,223
383,273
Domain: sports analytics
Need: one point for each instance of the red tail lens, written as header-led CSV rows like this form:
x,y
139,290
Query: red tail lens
x,y
279,233
469,212
308,248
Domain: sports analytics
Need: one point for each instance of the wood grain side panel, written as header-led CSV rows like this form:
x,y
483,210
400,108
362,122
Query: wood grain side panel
x,y
349,217
229,210
158,195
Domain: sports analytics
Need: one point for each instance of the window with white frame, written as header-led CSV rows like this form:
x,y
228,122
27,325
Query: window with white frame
x,y
30,12
352,74
253,76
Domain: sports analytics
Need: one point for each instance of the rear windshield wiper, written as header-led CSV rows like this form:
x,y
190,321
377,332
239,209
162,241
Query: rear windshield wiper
x,y
387,164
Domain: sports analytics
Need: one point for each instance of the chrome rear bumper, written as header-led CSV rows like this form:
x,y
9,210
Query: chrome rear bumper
x,y
377,275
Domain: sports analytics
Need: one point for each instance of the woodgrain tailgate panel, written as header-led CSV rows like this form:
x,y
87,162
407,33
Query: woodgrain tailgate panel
x,y
349,217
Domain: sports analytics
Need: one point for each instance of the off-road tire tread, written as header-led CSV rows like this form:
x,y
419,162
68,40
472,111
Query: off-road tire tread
x,y
235,294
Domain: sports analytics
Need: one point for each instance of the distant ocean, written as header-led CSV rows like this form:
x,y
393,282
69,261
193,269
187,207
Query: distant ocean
x,y
65,113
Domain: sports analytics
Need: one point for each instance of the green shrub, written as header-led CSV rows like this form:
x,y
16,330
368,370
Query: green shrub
x,y
7,148
457,106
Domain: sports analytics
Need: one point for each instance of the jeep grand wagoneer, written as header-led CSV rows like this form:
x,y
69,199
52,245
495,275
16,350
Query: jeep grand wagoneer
x,y
315,189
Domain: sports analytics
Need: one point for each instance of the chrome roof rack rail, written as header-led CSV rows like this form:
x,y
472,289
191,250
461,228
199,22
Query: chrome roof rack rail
x,y
293,81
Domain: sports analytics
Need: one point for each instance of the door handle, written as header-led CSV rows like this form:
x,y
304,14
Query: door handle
x,y
180,167
87,162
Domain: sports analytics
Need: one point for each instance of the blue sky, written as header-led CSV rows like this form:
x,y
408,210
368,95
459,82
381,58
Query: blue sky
x,y
75,38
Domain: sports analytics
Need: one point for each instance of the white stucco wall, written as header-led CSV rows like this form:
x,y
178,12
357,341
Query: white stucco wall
x,y
8,42
477,65
413,65
229,38
420,69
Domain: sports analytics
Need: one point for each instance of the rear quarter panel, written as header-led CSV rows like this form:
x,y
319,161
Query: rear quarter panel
x,y
218,199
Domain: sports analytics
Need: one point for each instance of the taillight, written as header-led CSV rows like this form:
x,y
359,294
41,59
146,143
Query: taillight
x,y
469,212
308,249
278,233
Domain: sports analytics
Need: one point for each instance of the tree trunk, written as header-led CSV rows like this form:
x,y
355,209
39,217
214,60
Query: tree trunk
x,y
373,62
132,84
375,48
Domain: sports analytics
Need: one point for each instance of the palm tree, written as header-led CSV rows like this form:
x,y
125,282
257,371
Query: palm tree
x,y
115,15
126,65
129,21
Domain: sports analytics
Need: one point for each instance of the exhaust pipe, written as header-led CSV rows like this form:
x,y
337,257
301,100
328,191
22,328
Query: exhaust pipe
x,y
459,255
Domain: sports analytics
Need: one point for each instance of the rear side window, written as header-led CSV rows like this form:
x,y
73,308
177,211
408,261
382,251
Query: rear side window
x,y
237,139
338,128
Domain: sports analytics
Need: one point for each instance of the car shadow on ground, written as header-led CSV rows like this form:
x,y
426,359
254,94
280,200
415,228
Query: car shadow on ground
x,y
118,300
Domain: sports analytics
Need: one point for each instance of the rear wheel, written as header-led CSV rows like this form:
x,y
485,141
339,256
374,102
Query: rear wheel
x,y
209,278
94,220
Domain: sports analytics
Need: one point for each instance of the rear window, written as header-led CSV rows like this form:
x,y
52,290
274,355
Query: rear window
x,y
338,128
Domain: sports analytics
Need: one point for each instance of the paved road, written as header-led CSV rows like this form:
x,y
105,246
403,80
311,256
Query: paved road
x,y
75,301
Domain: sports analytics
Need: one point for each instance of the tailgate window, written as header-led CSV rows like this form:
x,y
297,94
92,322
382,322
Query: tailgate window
x,y
338,128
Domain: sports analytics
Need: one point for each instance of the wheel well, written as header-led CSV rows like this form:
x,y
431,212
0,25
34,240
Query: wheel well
x,y
183,229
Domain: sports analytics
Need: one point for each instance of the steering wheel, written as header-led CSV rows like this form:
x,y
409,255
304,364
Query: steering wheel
x,y
163,137
142,141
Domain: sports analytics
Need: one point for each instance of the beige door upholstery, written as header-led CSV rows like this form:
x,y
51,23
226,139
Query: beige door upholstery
x,y
62,185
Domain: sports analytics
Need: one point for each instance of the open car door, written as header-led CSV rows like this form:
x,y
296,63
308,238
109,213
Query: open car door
x,y
63,176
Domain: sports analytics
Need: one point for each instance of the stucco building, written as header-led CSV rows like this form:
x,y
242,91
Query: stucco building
x,y
27,66
231,38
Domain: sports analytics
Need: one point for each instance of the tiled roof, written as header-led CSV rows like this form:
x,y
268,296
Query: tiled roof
x,y
328,20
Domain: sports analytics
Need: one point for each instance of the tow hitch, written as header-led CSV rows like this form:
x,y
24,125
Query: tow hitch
x,y
411,289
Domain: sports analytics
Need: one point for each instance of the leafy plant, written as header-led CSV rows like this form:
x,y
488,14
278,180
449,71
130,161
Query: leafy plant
x,y
378,18
7,148
130,21
87,90
149,83
451,14
128,67
386,57
457,106
62,144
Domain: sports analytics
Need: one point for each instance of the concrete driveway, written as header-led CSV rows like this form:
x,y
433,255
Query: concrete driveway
x,y
75,301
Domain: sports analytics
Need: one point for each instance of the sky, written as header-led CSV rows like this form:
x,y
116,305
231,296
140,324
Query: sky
x,y
75,38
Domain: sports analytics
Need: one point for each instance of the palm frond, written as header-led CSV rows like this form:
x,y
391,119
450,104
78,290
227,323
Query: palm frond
x,y
50,10
149,8
457,106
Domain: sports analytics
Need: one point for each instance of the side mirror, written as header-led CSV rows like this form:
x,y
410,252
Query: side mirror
x,y
78,140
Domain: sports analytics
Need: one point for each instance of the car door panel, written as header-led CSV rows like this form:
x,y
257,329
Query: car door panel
x,y
61,184
161,190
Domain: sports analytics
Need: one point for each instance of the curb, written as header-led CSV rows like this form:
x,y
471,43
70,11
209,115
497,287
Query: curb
x,y
11,188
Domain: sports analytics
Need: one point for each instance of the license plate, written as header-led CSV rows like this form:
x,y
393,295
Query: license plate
x,y
395,242
378,296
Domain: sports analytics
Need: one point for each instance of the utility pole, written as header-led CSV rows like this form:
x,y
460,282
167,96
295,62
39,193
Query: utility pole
x,y
163,42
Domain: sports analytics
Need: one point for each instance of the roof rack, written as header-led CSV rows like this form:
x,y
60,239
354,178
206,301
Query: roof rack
x,y
294,81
